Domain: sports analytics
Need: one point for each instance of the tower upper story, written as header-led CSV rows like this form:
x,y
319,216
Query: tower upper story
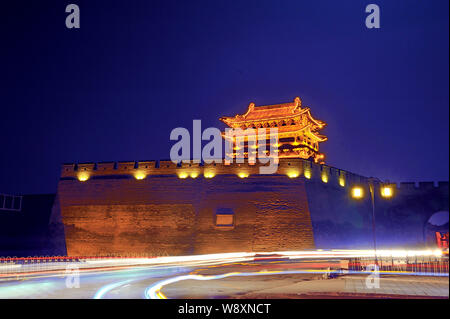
x,y
298,130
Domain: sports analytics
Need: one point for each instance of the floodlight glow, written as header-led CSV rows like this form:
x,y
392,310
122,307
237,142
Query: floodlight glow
x,y
140,175
307,174
82,177
357,192
387,191
292,174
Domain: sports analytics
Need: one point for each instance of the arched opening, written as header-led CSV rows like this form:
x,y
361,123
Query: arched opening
x,y
436,226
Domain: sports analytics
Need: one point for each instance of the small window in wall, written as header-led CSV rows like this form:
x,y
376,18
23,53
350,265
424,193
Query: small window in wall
x,y
224,218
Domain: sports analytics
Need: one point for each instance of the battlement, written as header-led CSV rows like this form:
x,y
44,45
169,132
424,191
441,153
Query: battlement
x,y
289,167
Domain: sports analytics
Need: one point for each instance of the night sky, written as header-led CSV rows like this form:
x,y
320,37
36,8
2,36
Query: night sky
x,y
114,89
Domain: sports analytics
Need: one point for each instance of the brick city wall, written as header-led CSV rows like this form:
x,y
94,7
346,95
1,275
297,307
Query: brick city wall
x,y
162,208
170,212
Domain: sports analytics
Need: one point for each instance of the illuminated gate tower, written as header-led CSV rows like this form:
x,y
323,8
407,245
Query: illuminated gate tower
x,y
298,131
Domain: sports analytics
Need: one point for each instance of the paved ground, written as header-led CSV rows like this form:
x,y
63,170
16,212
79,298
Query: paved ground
x,y
301,286
250,280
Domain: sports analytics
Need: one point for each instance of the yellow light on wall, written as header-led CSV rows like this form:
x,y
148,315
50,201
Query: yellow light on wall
x,y
183,175
209,175
357,192
140,175
292,174
243,175
387,191
194,175
342,181
82,177
307,174
324,178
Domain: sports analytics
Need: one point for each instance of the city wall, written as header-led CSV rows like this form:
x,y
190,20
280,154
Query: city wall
x,y
152,207
160,208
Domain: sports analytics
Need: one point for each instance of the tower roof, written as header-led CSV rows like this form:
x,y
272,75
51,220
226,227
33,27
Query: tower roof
x,y
271,112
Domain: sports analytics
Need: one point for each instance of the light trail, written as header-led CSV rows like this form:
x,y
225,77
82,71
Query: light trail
x,y
208,259
154,291
105,289
108,274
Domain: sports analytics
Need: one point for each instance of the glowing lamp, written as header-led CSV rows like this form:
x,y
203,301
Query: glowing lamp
x,y
209,175
324,178
357,192
292,174
82,177
140,175
194,175
183,175
342,181
386,191
308,174
243,175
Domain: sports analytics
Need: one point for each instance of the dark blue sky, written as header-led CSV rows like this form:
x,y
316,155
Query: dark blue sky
x,y
114,89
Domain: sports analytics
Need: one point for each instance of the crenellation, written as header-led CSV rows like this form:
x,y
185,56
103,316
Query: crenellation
x,y
191,164
126,166
67,170
166,164
290,167
84,171
408,186
89,167
105,168
426,185
146,164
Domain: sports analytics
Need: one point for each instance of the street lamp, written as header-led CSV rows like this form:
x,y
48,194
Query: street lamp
x,y
357,192
386,192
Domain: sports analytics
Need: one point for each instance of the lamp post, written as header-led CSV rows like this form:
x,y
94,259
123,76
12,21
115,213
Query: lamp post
x,y
372,196
386,192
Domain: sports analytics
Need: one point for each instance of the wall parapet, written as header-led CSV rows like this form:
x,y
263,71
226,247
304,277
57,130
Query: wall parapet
x,y
291,167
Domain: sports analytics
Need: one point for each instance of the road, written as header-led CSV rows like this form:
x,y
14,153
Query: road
x,y
272,276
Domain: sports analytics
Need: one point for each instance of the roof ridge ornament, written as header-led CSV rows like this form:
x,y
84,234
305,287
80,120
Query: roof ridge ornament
x,y
251,107
298,103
